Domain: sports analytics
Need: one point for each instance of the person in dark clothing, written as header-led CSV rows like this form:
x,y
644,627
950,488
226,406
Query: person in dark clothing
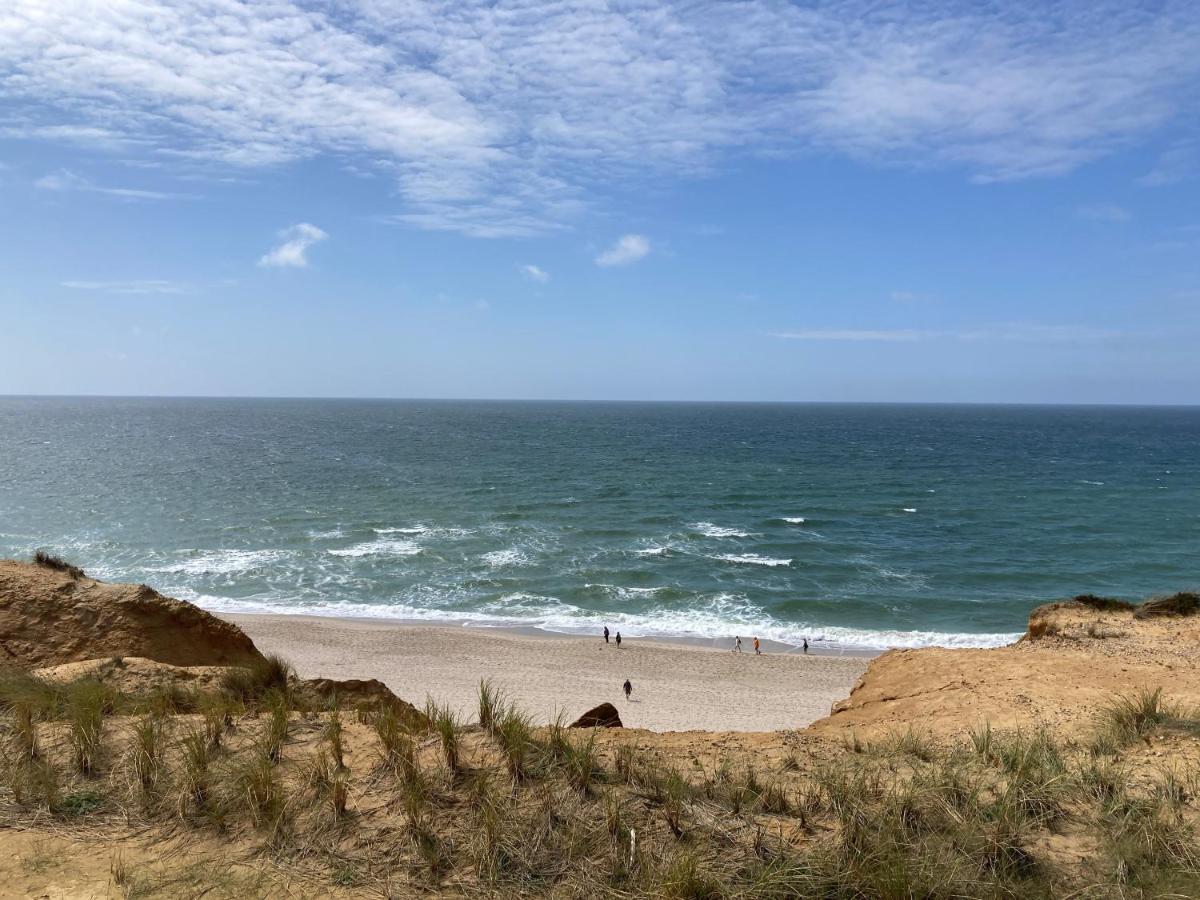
x,y
618,640
806,645
606,634
628,688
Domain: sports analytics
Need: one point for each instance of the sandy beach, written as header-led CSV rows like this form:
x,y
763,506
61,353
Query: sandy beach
x,y
677,687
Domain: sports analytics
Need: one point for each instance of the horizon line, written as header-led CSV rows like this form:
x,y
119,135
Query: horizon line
x,y
1101,404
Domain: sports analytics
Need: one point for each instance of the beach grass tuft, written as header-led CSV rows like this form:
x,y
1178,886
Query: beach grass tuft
x,y
48,560
250,683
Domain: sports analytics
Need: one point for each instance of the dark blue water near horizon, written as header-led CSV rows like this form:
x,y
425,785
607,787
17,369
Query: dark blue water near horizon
x,y
857,525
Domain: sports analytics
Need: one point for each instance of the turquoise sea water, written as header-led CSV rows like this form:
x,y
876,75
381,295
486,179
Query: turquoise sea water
x,y
854,525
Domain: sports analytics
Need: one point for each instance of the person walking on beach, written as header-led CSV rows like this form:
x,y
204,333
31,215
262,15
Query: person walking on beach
x,y
757,652
806,645
628,688
606,634
618,640
737,644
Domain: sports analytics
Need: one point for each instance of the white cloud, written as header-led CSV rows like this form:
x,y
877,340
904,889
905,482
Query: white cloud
x,y
508,119
869,335
1179,162
66,180
297,240
141,286
535,273
1103,212
1019,332
627,250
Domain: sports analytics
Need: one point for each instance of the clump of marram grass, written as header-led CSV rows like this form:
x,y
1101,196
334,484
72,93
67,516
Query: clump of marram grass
x,y
48,560
25,732
396,745
1131,717
333,736
558,743
581,764
169,700
147,751
626,761
261,790
85,710
676,793
514,735
35,782
250,683
217,717
278,718
489,840
447,726
197,760
910,743
491,705
1150,844
45,700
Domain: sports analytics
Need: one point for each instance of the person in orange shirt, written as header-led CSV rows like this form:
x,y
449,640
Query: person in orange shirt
x,y
757,652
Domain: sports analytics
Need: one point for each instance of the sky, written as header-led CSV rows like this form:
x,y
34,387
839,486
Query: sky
x,y
734,200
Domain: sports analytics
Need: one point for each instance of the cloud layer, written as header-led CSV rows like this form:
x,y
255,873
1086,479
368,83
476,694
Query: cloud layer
x,y
1020,332
139,286
511,118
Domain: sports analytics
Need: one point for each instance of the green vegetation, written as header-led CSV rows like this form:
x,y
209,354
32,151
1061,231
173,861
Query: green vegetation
x,y
393,803
248,684
48,560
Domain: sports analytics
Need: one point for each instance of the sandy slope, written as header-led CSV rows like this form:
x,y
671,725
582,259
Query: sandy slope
x,y
1074,661
675,687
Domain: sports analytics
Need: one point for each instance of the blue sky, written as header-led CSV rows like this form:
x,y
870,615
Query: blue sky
x,y
623,200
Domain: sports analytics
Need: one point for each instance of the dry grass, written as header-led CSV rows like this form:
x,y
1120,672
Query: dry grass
x,y
248,684
386,808
48,560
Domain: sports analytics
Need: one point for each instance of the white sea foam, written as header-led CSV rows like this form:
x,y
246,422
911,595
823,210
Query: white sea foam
x,y
620,592
331,535
379,547
1095,483
219,562
795,520
909,509
718,618
752,559
407,529
653,551
708,529
503,558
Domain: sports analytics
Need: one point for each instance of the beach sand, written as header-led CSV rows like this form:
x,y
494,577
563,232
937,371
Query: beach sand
x,y
676,686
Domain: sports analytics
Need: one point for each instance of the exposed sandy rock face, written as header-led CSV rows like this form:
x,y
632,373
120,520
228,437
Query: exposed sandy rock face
x,y
135,675
1074,659
603,716
48,617
355,692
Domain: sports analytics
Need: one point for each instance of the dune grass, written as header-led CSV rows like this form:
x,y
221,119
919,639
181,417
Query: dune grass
x,y
248,684
393,805
48,560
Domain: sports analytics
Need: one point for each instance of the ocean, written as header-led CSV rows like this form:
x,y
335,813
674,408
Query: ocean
x,y
856,526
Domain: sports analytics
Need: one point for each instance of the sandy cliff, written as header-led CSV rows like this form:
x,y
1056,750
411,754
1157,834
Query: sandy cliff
x,y
50,616
1076,657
